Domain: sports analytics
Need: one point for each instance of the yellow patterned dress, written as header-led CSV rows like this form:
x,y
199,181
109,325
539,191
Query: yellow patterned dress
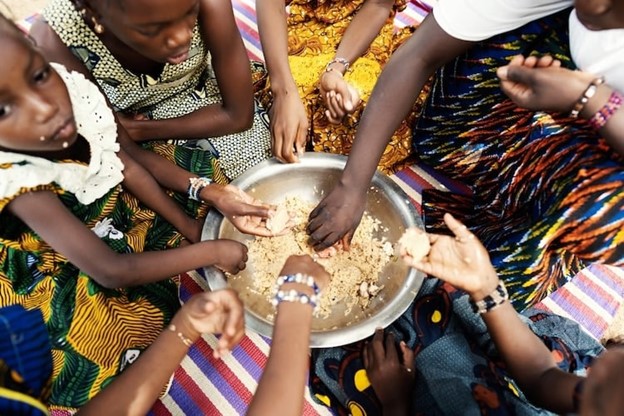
x,y
94,332
315,29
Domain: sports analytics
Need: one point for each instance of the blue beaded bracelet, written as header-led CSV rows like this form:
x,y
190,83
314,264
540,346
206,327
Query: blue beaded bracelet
x,y
298,278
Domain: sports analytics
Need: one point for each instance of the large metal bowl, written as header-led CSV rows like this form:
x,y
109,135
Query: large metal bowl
x,y
310,180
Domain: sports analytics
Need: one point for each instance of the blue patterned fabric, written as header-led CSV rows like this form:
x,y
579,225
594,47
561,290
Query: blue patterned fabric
x,y
25,362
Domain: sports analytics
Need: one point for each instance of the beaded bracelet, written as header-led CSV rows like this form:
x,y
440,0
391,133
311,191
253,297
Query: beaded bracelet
x,y
587,94
491,301
298,278
598,120
196,185
186,341
294,296
342,61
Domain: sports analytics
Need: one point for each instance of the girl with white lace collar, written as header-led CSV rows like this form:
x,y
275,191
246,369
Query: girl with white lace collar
x,y
76,239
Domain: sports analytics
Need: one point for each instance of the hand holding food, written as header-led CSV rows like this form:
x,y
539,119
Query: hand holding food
x,y
461,261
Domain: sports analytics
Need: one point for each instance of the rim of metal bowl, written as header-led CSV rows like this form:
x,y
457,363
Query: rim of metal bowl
x,y
348,334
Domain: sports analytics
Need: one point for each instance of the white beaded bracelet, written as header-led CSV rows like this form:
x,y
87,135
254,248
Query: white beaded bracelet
x,y
298,278
195,187
294,296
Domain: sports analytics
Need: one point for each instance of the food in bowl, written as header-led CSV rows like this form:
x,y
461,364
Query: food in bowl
x,y
354,273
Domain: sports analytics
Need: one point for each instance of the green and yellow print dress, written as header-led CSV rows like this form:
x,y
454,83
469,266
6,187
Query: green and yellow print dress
x,y
179,90
94,332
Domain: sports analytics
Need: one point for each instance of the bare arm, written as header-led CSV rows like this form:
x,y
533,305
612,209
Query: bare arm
x,y
398,86
143,186
289,120
285,371
44,213
133,392
464,263
233,74
363,29
394,94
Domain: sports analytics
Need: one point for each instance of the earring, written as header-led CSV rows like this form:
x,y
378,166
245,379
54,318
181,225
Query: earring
x,y
97,27
65,145
42,139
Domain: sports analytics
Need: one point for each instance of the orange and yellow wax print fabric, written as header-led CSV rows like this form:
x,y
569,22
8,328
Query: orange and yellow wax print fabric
x,y
315,29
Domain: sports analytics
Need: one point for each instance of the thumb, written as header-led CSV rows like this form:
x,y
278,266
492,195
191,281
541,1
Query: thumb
x,y
519,74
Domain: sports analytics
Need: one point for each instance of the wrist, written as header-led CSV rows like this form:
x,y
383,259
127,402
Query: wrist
x,y
183,329
485,303
595,102
210,194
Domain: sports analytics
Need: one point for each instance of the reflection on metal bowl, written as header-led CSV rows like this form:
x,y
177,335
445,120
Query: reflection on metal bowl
x,y
310,180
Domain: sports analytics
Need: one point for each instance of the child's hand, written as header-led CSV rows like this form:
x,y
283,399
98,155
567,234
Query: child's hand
x,y
289,126
391,376
219,312
246,213
339,96
232,255
305,264
461,261
541,83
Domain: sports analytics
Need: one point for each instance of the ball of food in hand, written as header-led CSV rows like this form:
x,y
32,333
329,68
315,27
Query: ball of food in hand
x,y
279,221
414,243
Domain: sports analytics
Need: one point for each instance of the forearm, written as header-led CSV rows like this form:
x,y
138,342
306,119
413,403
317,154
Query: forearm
x,y
211,121
529,362
286,369
363,29
145,188
395,92
119,270
613,130
133,393
391,100
273,31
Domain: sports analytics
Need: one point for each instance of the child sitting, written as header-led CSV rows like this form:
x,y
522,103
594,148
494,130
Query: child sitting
x,y
170,69
76,241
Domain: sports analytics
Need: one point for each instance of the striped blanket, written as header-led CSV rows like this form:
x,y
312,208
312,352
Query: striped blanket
x,y
205,386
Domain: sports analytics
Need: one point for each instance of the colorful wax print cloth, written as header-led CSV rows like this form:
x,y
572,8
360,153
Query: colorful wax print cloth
x,y
546,194
25,362
458,371
315,29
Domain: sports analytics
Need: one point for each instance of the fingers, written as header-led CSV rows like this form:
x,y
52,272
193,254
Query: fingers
x,y
379,353
390,345
253,210
407,355
460,231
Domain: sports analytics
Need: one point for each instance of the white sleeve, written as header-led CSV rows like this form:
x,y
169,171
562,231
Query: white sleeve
x,y
476,20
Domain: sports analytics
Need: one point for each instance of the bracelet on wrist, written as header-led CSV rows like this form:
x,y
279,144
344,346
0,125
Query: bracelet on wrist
x,y
298,278
186,341
587,94
600,118
294,296
195,187
346,64
498,296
